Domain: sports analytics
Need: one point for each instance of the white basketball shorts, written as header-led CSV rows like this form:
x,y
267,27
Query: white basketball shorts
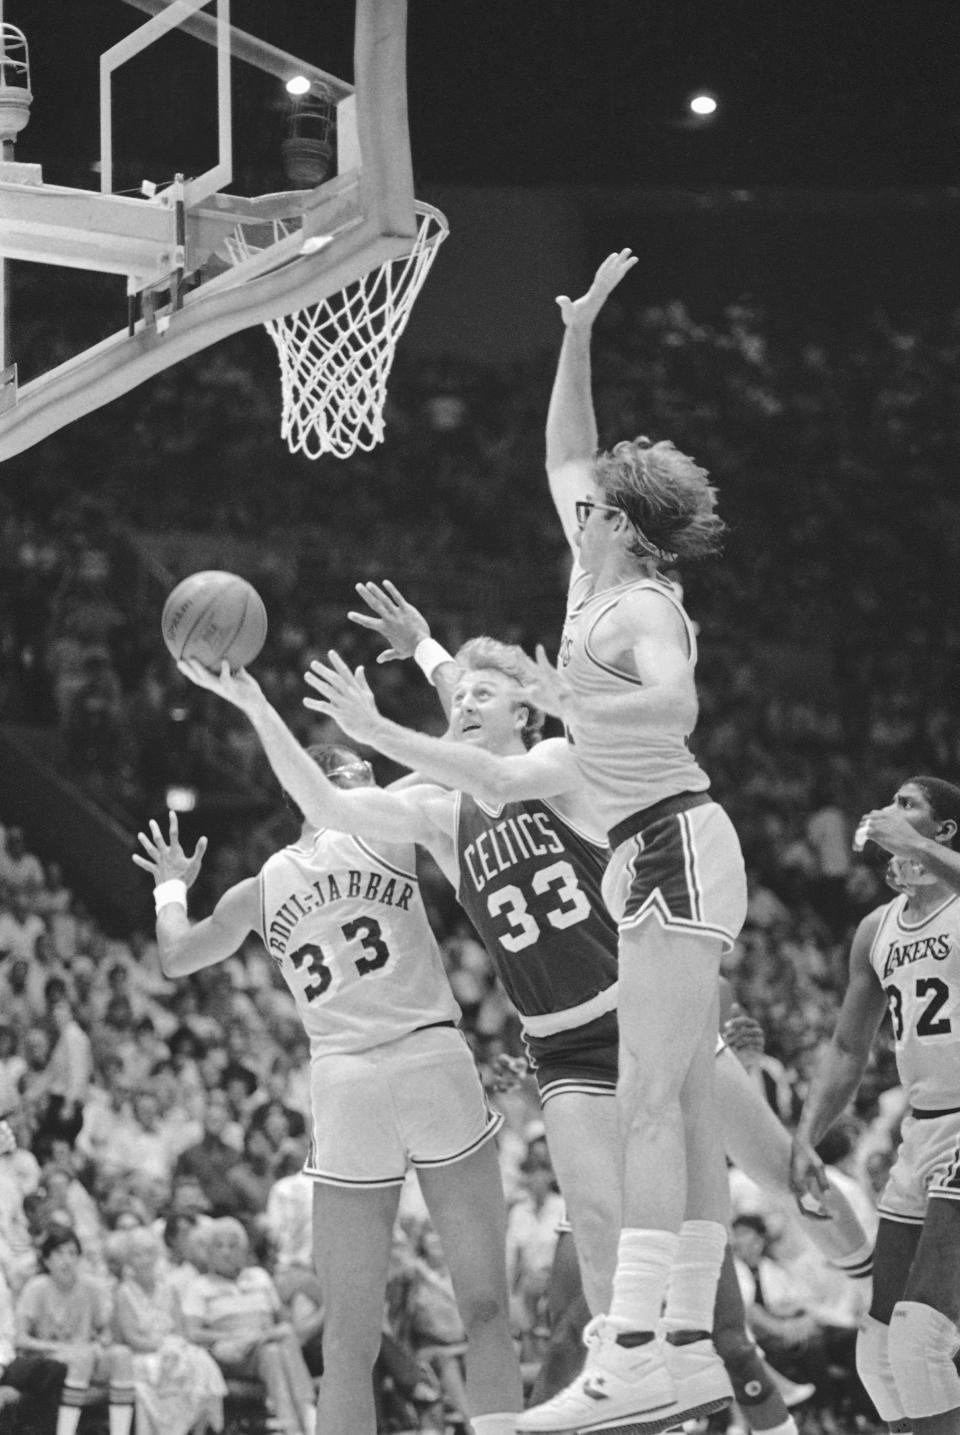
x,y
927,1164
415,1101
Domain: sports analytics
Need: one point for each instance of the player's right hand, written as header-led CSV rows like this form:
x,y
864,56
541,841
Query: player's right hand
x,y
398,622
585,309
237,687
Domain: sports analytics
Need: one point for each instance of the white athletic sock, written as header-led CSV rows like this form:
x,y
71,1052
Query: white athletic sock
x,y
68,1418
499,1423
121,1419
644,1258
692,1288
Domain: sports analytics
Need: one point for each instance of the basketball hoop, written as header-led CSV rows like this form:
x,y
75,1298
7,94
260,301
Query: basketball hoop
x,y
336,355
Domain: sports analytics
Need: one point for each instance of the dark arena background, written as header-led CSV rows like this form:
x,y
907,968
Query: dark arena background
x,y
793,322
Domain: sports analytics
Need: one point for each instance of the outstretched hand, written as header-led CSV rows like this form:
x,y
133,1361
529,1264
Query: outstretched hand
x,y
237,687
547,688
166,858
345,697
398,622
744,1036
585,309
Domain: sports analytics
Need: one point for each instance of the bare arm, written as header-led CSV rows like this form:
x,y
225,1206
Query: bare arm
x,y
845,1059
547,770
363,812
184,947
571,423
892,831
404,627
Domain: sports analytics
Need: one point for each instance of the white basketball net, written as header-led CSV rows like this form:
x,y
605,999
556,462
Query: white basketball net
x,y
336,355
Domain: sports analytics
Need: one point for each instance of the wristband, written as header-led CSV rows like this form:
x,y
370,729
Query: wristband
x,y
173,890
430,655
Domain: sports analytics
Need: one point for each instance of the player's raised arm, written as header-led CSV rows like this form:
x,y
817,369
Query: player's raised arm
x,y
185,947
407,633
546,770
843,1062
571,422
363,812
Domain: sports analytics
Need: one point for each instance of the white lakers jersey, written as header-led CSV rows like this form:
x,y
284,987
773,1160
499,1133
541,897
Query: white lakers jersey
x,y
629,764
918,964
349,932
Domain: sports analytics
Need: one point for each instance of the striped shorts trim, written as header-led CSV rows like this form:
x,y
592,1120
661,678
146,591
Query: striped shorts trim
x,y
685,870
575,1086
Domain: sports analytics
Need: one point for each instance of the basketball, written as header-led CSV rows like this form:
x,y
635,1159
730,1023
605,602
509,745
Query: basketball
x,y
214,616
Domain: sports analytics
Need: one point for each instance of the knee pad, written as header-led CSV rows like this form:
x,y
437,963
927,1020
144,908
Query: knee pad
x,y
875,1372
923,1343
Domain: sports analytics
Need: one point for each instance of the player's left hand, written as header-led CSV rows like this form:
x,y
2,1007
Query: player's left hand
x,y
398,622
547,688
345,697
744,1036
237,687
808,1176
166,858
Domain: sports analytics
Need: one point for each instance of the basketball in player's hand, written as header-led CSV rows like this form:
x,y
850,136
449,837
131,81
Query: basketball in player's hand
x,y
211,616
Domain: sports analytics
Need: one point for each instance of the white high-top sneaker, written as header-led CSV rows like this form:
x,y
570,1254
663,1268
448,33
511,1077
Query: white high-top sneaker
x,y
620,1387
700,1377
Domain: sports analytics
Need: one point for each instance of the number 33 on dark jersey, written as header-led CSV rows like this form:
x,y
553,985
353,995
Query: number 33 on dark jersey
x,y
530,884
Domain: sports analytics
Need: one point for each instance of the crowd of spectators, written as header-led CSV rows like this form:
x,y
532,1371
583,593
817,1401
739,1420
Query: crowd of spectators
x,y
137,1104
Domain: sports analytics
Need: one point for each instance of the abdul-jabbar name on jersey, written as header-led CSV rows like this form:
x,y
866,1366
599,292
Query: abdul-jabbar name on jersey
x,y
349,932
918,964
530,884
628,762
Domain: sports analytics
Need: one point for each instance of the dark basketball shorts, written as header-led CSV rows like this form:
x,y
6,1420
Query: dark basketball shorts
x,y
685,869
583,1059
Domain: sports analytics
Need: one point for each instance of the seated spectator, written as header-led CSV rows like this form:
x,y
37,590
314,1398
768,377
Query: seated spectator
x,y
17,1255
69,1071
20,870
64,1192
211,1159
21,926
178,1387
16,998
236,1313
30,1385
531,1242
276,1091
436,1329
793,1327
107,1127
179,1231
253,1175
12,1065
65,1314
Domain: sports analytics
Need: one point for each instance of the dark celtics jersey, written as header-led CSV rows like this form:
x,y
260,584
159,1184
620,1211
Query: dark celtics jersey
x,y
530,884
